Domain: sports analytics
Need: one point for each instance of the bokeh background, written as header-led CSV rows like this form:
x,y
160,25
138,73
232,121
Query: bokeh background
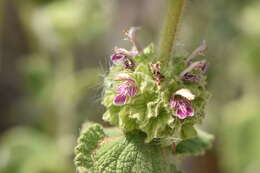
x,y
55,53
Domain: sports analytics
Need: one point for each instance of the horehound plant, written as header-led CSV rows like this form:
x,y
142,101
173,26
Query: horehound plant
x,y
154,99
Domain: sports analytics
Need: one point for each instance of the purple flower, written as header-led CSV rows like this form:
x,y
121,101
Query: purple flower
x,y
120,99
195,71
117,57
126,89
124,57
129,63
120,54
181,103
191,77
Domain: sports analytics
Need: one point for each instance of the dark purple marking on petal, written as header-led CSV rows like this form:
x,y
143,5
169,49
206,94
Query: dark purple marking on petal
x,y
195,71
181,114
132,90
120,99
129,63
128,87
200,65
182,107
173,103
191,77
190,111
117,57
205,67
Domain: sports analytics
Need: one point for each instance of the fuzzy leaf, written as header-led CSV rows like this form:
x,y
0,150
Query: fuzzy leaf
x,y
97,153
195,145
188,131
88,141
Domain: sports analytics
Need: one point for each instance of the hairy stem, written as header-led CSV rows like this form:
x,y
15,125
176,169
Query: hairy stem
x,y
168,35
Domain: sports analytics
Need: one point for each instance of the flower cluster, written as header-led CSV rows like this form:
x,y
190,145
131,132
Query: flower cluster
x,y
139,96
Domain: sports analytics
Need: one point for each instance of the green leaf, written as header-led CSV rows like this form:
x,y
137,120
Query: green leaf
x,y
149,49
88,141
188,131
97,153
195,145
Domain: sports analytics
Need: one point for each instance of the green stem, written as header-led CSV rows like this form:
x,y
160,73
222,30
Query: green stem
x,y
172,20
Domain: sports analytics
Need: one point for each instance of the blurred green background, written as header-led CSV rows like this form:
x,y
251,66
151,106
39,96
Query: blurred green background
x,y
55,53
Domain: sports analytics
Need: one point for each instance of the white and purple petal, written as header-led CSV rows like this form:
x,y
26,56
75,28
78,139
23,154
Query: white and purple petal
x,y
183,109
125,52
186,93
181,103
122,88
126,89
132,53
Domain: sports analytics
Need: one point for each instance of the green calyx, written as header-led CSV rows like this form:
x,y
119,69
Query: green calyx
x,y
149,110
